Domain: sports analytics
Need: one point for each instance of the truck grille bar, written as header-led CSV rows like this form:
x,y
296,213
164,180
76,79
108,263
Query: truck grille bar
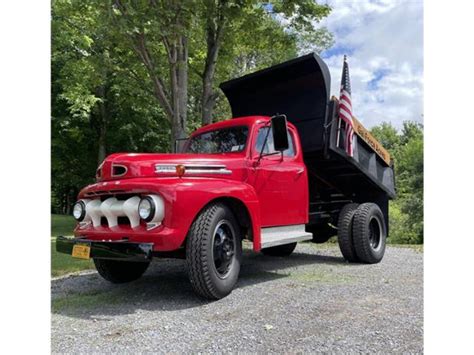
x,y
112,209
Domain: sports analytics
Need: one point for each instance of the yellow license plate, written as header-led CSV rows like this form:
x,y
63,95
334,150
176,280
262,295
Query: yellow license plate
x,y
81,251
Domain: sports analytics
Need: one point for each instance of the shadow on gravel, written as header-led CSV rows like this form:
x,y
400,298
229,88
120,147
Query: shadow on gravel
x,y
164,286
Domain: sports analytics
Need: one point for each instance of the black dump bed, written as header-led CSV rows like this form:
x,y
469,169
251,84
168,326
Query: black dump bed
x,y
300,89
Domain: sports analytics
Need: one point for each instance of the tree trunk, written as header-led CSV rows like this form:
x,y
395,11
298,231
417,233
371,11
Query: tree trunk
x,y
179,88
174,101
208,98
102,129
215,26
68,202
102,150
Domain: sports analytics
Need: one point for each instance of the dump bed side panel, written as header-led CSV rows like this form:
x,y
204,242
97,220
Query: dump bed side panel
x,y
364,173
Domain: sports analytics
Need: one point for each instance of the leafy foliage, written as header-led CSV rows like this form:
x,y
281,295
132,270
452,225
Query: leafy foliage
x,y
105,93
406,212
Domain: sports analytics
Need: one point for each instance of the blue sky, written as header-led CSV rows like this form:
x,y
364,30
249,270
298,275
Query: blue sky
x,y
384,43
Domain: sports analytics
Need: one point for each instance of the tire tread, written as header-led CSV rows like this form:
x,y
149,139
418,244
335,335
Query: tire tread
x,y
196,253
361,232
345,234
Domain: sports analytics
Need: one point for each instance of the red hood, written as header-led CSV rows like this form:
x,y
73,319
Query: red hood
x,y
132,165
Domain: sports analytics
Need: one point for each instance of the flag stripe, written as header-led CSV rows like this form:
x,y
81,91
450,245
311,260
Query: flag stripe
x,y
345,108
346,116
345,102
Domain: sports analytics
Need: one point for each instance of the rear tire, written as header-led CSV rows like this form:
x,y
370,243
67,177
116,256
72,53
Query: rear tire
x,y
280,250
344,232
117,271
369,233
214,252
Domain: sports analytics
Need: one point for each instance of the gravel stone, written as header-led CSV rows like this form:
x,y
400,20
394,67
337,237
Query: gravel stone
x,y
312,301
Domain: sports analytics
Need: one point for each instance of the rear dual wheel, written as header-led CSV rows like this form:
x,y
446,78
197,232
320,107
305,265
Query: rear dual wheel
x,y
369,233
344,232
362,233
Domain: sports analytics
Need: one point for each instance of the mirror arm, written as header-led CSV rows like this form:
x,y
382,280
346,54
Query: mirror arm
x,y
264,143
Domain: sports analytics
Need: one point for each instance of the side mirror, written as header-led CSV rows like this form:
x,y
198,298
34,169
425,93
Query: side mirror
x,y
280,133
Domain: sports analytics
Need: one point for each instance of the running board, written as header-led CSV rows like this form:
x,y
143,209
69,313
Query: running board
x,y
274,236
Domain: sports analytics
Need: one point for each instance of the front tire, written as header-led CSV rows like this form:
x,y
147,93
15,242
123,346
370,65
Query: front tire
x,y
118,272
369,233
280,250
214,252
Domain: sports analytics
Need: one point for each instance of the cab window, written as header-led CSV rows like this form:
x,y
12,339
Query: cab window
x,y
269,148
225,140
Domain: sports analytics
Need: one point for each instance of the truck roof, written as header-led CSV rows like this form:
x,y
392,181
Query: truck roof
x,y
239,121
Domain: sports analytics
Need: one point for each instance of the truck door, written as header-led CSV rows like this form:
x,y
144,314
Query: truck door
x,y
280,181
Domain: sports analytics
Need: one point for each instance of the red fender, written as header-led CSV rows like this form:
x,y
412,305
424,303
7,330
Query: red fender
x,y
184,199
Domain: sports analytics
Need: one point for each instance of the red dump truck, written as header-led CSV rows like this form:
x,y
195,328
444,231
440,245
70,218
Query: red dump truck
x,y
277,174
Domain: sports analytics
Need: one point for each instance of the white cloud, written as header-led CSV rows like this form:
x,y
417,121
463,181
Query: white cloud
x,y
384,43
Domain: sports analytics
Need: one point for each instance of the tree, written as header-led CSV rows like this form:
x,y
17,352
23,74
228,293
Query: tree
x,y
154,30
387,135
410,176
96,108
158,29
406,148
133,76
243,19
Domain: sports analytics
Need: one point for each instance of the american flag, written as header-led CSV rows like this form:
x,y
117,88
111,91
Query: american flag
x,y
345,108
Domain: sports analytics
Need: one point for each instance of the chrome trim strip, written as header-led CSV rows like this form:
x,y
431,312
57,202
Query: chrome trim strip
x,y
193,169
208,171
165,168
273,236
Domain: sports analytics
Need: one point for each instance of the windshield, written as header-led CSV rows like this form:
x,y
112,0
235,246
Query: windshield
x,y
224,140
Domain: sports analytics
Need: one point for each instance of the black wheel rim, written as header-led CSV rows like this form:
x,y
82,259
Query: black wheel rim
x,y
375,233
223,249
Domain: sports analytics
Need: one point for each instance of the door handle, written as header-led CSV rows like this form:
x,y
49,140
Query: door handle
x,y
300,171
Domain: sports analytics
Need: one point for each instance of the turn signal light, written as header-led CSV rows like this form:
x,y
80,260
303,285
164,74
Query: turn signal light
x,y
180,170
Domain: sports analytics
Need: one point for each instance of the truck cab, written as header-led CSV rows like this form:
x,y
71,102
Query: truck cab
x,y
274,176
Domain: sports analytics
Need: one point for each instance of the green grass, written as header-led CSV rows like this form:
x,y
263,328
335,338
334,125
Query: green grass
x,y
62,225
85,300
62,264
416,247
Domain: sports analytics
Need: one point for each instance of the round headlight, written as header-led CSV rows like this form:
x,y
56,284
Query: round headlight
x,y
79,210
146,209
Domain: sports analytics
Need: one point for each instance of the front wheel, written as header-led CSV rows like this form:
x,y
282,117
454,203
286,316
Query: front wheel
x,y
214,252
117,271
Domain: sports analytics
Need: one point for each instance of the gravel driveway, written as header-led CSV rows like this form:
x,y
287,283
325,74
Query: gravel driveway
x,y
311,301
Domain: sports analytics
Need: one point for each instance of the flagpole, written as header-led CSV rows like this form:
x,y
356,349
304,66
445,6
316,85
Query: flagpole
x,y
339,124
338,132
